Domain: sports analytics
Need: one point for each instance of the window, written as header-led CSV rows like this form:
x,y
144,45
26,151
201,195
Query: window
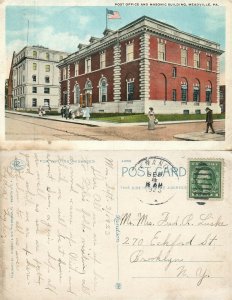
x,y
34,78
174,72
23,78
47,56
196,94
196,60
34,102
64,73
34,66
47,79
174,94
161,51
184,90
88,65
46,102
130,90
103,90
130,52
208,94
34,89
34,54
76,69
47,68
184,57
46,90
209,63
77,93
102,60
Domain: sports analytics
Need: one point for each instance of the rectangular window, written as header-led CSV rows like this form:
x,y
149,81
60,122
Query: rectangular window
x,y
34,78
34,89
196,60
47,56
102,60
209,63
34,66
161,51
130,90
47,79
46,90
47,68
76,69
46,102
88,65
34,54
174,94
184,56
130,52
34,102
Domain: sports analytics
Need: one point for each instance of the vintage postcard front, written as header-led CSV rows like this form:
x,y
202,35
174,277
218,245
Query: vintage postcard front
x,y
117,71
115,225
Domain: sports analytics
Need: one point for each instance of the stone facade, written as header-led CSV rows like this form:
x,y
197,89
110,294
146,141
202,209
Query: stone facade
x,y
35,78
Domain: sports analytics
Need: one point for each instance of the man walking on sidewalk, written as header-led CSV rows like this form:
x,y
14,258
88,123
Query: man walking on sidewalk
x,y
209,120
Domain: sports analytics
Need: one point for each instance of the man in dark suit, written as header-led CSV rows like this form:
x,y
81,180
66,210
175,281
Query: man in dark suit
x,y
209,120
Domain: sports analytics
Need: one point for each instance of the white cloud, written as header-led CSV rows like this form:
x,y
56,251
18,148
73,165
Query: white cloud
x,y
64,41
84,20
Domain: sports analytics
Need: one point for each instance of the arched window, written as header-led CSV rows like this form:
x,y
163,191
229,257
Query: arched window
x,y
88,85
77,94
184,92
88,93
196,91
103,90
208,93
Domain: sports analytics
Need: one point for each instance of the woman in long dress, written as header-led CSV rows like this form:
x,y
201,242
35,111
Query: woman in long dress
x,y
151,119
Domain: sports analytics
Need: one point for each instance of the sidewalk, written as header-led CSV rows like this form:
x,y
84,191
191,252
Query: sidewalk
x,y
95,123
219,135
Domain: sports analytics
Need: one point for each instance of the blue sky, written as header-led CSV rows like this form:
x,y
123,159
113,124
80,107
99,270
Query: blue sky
x,y
63,28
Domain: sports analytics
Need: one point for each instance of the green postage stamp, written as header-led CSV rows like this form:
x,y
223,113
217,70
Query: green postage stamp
x,y
205,179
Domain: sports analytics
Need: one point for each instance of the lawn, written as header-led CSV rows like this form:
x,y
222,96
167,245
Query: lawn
x,y
136,118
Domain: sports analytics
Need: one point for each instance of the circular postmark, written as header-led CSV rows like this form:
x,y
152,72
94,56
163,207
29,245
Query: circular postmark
x,y
17,164
155,179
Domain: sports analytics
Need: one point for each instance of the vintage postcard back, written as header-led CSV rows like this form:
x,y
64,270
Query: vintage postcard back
x,y
115,225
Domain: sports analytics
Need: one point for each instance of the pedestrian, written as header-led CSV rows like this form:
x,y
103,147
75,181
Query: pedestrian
x,y
151,119
40,111
70,113
67,112
43,111
49,108
209,120
62,111
87,113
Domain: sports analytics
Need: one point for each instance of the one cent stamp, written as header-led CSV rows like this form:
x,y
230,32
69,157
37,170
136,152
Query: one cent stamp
x,y
205,179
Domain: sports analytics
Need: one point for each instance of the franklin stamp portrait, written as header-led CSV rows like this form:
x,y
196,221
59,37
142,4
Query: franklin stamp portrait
x,y
205,179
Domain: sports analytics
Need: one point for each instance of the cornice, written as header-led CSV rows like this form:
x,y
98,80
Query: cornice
x,y
148,25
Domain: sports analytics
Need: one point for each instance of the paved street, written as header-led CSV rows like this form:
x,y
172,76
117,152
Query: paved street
x,y
19,127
